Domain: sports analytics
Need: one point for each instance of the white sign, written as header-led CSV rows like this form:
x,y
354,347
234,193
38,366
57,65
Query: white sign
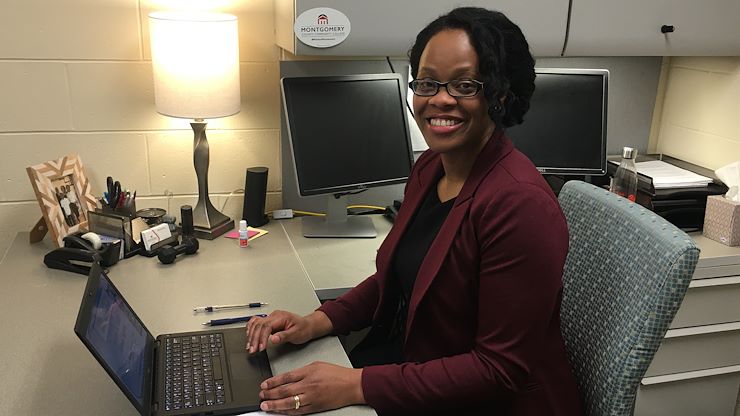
x,y
322,27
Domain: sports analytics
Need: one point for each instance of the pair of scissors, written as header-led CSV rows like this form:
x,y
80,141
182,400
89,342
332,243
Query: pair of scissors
x,y
114,192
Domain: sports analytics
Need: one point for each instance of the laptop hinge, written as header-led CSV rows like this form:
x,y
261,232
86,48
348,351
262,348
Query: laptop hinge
x,y
155,385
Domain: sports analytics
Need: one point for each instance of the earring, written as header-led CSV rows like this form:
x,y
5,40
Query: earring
x,y
497,108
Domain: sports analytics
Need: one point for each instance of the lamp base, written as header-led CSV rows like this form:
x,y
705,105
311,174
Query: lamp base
x,y
214,231
208,222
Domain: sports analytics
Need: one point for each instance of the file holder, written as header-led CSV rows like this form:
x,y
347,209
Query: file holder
x,y
684,207
114,224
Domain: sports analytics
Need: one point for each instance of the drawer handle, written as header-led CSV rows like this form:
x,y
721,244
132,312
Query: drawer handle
x,y
667,29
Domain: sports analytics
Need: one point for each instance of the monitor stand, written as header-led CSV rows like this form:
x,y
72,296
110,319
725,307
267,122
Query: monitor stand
x,y
337,224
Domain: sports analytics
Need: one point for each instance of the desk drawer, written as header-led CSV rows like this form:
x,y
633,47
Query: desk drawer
x,y
718,271
698,348
708,302
712,395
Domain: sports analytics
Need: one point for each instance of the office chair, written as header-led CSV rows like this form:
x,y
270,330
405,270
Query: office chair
x,y
625,276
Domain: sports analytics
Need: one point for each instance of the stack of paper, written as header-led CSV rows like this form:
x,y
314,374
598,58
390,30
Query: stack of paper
x,y
665,175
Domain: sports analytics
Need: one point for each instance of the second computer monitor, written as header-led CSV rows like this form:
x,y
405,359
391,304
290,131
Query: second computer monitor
x,y
564,131
347,133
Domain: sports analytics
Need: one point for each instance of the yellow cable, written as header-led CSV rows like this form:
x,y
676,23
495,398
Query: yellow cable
x,y
367,207
320,214
315,214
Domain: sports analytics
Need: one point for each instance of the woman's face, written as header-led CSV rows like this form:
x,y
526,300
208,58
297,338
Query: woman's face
x,y
449,124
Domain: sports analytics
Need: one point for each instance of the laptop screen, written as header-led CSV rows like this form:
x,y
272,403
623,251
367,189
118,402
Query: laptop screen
x,y
119,339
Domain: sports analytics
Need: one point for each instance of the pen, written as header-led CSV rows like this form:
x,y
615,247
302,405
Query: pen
x,y
226,321
220,307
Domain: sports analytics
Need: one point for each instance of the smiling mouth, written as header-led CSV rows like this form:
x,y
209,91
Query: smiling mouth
x,y
443,122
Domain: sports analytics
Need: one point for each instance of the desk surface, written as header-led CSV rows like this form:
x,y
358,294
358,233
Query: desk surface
x,y
714,253
43,359
47,370
335,265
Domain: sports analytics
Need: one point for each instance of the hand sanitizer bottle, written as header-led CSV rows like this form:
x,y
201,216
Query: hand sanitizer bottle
x,y
243,234
624,182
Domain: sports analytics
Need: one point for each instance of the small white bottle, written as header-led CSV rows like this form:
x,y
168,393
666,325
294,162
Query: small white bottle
x,y
624,182
243,234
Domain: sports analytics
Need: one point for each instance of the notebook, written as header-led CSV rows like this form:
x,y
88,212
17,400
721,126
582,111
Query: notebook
x,y
203,372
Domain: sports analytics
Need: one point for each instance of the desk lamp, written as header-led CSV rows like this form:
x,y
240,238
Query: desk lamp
x,y
195,62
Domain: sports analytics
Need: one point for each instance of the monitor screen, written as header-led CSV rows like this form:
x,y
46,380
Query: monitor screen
x,y
347,132
564,131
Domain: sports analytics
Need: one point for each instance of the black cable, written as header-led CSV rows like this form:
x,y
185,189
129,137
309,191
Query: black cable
x,y
364,211
338,195
388,58
567,28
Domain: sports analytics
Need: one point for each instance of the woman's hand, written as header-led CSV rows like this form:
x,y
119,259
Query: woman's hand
x,y
281,327
318,386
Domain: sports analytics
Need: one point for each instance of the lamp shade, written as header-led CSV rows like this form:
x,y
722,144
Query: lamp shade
x,y
195,62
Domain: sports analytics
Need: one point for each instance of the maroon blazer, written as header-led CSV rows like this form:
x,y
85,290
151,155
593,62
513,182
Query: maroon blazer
x,y
483,326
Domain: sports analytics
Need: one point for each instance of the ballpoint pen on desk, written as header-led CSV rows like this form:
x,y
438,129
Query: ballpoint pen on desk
x,y
221,307
227,321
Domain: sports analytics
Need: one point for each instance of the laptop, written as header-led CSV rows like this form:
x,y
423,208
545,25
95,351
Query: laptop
x,y
203,372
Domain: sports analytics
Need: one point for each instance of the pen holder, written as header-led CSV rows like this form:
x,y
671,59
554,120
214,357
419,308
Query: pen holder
x,y
126,210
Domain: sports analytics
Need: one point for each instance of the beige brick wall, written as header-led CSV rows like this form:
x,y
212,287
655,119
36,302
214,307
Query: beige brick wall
x,y
76,77
698,113
700,118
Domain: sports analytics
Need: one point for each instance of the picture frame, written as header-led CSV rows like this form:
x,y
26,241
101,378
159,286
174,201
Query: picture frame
x,y
64,195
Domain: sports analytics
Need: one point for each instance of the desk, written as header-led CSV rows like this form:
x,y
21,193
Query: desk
x,y
47,370
335,265
696,370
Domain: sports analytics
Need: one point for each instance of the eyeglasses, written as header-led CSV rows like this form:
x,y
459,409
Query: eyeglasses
x,y
463,87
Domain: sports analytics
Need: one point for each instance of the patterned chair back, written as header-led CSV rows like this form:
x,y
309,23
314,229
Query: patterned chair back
x,y
625,276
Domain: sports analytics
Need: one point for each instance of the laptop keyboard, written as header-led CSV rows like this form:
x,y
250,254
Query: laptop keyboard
x,y
193,373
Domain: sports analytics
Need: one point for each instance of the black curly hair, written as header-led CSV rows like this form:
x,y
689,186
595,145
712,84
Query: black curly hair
x,y
505,64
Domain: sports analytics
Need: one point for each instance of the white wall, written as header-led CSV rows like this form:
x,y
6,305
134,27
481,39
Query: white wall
x,y
75,77
700,118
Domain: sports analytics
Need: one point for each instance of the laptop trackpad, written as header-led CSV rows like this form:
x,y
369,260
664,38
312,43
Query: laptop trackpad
x,y
246,376
249,367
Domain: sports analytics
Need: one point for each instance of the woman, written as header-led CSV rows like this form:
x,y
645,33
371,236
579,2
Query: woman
x,y
464,306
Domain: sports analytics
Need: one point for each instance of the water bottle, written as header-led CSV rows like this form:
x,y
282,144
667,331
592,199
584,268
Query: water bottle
x,y
624,182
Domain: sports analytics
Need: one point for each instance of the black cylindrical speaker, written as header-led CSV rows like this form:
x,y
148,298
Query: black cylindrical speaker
x,y
255,192
186,220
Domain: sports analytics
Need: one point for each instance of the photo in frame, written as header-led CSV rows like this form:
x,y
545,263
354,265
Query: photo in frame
x,y
64,195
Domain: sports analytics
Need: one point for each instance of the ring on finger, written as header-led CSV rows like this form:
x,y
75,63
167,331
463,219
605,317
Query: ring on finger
x,y
297,402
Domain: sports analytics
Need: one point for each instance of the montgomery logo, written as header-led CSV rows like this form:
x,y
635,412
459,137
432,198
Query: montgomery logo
x,y
313,28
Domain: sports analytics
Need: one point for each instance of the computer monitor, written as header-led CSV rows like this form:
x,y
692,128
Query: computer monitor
x,y
347,134
564,131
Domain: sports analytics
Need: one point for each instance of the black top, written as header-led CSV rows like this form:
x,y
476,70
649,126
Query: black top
x,y
415,243
384,343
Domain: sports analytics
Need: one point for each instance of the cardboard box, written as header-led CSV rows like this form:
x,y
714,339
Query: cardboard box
x,y
722,220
